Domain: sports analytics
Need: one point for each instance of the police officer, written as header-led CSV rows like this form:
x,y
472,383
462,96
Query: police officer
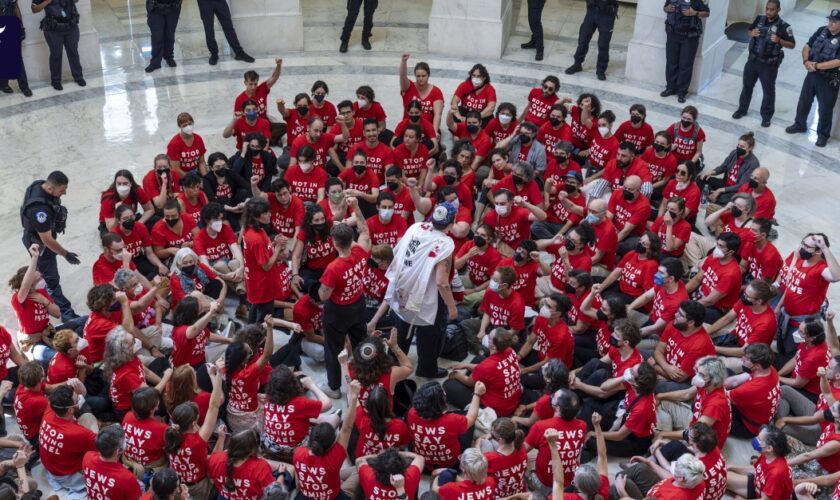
x,y
353,7
43,217
61,29
219,8
535,8
600,15
683,26
162,18
11,8
769,34
821,57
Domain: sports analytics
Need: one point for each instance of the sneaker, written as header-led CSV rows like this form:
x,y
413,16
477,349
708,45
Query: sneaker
x,y
331,393
242,56
795,129
214,59
738,114
574,68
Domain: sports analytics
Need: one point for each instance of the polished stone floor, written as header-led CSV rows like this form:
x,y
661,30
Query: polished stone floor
x,y
124,117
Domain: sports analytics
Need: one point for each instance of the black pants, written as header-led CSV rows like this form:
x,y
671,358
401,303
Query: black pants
x,y
162,23
353,7
816,85
680,51
220,9
69,41
535,8
339,322
48,267
23,82
754,71
429,341
145,267
258,312
603,22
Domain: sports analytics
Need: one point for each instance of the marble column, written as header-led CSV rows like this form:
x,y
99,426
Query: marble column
x,y
646,50
36,54
268,26
470,28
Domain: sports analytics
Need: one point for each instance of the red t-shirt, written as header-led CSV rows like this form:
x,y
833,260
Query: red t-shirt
x,y
468,490
143,439
773,479
325,142
326,112
636,212
151,184
682,351
509,311
136,242
62,367
616,176
386,233
32,316
529,192
374,111
96,329
808,360
606,240
344,276
437,440
511,228
641,137
725,278
830,463
428,102
572,435
191,460
29,409
667,489
508,471
357,134
164,237
319,253
257,251
715,475
539,106
375,283
758,397
730,226
284,220
601,149
374,490
411,163
681,230
308,315
244,387
397,435
765,263
249,479
666,305
189,155
581,134
318,476
804,287
641,418
765,203
187,351
104,271
364,183
305,185
296,125
619,365
62,444
288,424
177,287
691,193
603,490
549,136
553,342
559,214
480,267
498,132
108,480
242,128
660,168
683,143
475,100
403,203
260,97
752,328
108,205
526,278
636,274
714,405
379,157
124,381
501,374
215,248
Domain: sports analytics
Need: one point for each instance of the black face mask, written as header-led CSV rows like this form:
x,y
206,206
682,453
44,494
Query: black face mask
x,y
115,307
222,172
686,123
524,139
320,227
659,148
472,129
745,300
741,151
737,212
673,215
479,240
570,289
635,119
746,369
640,249
449,179
414,119
128,225
570,245
319,98
613,341
805,254
752,184
163,171
554,121
188,270
561,159
518,257
601,315
172,222
570,188
359,169
628,195
518,180
828,415
392,185
372,264
303,110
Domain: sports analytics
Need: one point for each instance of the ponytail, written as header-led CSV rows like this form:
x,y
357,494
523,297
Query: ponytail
x,y
518,439
172,440
183,417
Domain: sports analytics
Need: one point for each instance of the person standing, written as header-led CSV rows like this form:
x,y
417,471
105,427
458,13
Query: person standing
x,y
535,8
600,15
769,34
43,218
422,257
61,29
219,8
821,57
162,18
11,8
683,27
353,7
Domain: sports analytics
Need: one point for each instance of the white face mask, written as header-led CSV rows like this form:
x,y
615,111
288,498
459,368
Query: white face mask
x,y
216,225
82,344
386,213
123,190
137,345
505,119
545,311
628,375
797,337
306,167
361,102
138,289
118,255
493,286
486,341
187,129
718,253
41,284
603,131
698,381
681,186
477,81
501,210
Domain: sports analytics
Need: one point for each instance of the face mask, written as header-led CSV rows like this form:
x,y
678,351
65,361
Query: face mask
x,y
187,129
320,227
472,128
555,121
828,415
485,341
561,159
628,375
518,257
361,102
302,110
251,116
118,255
82,344
545,312
306,167
681,326
501,210
603,131
601,315
128,225
359,169
718,253
805,254
386,213
476,82
736,212
658,279
593,219
524,139
746,369
756,444
613,341
414,119
123,190
138,290
673,215
162,171
635,119
518,180
570,289
188,270
42,283
745,300
336,197
319,98
222,172
674,469
216,225
372,263
797,337
493,286
137,345
740,151
570,188
640,249
685,123
698,381
505,119
753,184
570,245
172,222
479,240
449,179
628,195
659,148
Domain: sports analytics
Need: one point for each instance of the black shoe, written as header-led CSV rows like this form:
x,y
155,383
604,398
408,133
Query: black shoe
x,y
171,62
343,48
151,68
765,123
795,129
529,45
26,92
80,82
822,141
602,76
214,59
366,43
574,68
6,89
738,114
667,93
57,86
242,56
539,56
681,98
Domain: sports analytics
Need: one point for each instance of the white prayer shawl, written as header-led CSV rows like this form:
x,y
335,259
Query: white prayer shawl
x,y
412,292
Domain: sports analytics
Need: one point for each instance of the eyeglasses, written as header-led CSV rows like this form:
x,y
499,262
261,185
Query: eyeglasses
x,y
682,172
548,88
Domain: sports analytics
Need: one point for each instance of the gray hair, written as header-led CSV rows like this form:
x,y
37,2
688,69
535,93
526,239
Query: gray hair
x,y
180,255
713,367
110,439
587,480
474,465
527,170
689,469
116,354
123,277
748,198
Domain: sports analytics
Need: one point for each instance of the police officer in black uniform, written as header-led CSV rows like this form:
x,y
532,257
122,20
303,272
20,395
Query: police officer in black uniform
x,y
769,34
535,8
11,8
162,18
43,217
600,15
61,29
683,26
353,7
821,57
219,8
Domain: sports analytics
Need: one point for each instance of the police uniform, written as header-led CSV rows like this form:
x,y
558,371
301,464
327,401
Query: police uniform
x,y
61,29
600,15
162,18
353,7
535,8
9,8
763,65
821,83
219,8
41,212
681,45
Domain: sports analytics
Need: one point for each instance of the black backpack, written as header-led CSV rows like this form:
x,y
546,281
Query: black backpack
x,y
454,344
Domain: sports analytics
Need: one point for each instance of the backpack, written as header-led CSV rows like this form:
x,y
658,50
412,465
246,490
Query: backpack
x,y
454,343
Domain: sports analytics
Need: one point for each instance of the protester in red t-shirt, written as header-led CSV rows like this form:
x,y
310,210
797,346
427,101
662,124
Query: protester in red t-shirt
x,y
718,284
584,119
30,401
685,483
755,321
173,232
421,90
629,211
603,378
687,138
317,138
161,183
636,129
67,363
476,482
246,120
261,255
812,353
414,115
476,93
770,477
32,305
105,476
63,443
754,393
125,372
508,462
480,258
124,191
660,160
672,228
240,473
502,305
385,476
144,434
635,434
503,125
634,274
664,298
511,219
114,257
566,406
602,147
242,380
378,427
549,339
186,149
682,343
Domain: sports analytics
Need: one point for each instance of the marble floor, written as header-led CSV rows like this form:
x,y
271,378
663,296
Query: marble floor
x,y
124,117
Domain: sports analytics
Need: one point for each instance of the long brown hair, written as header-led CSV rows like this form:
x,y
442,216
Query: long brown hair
x,y
181,388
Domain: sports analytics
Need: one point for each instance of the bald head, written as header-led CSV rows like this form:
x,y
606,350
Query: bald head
x,y
633,183
761,174
597,205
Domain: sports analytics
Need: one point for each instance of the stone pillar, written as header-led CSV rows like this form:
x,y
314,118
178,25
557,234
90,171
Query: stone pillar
x,y
36,54
470,28
272,26
646,50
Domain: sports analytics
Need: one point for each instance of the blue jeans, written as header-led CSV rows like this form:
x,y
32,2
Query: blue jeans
x,y
71,487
